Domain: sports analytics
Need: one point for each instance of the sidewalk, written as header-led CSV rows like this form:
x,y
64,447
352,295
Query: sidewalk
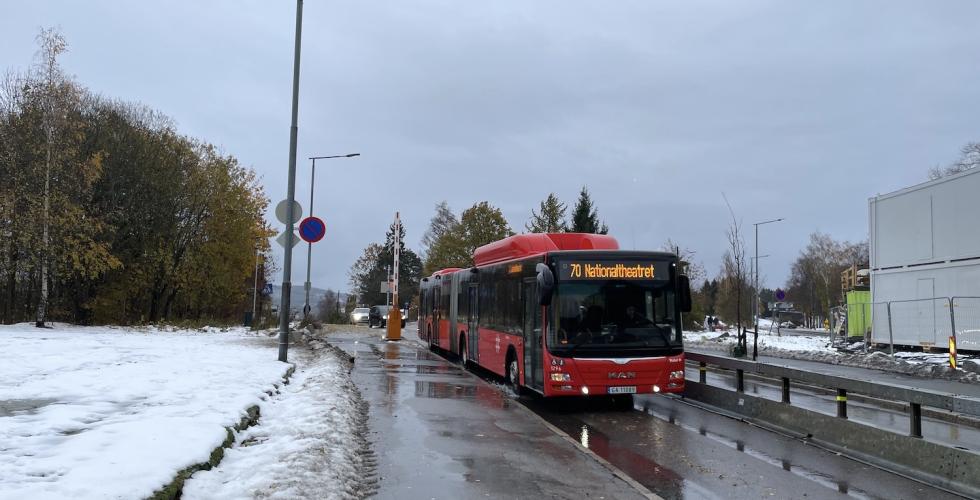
x,y
441,432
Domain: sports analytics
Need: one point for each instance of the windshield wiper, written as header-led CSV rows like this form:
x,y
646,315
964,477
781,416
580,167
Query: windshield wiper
x,y
571,349
663,335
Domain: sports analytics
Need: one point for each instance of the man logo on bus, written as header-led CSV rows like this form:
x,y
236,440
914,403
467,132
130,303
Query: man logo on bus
x,y
622,374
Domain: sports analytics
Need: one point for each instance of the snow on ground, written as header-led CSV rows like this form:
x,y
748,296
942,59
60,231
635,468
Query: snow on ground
x,y
117,412
819,348
716,340
308,444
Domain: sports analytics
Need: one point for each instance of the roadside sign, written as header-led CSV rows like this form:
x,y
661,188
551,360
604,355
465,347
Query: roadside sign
x,y
312,229
385,288
282,239
267,289
780,295
283,207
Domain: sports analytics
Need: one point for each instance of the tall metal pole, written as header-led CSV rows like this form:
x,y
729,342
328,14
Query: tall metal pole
x,y
755,301
755,341
287,265
307,286
255,289
309,248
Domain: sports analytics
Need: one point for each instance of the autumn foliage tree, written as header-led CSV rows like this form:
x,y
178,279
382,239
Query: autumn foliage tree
x,y
478,225
109,215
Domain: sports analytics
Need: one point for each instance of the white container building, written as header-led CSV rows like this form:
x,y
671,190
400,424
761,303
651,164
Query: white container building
x,y
925,250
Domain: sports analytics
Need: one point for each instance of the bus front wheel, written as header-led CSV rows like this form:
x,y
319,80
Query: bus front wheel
x,y
514,373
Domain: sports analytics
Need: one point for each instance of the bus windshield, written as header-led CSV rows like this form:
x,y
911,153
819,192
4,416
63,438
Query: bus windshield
x,y
601,318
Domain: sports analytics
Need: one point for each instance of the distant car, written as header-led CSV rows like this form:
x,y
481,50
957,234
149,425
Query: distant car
x,y
379,316
787,324
359,315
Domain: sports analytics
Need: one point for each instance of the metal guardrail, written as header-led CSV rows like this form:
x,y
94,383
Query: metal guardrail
x,y
916,398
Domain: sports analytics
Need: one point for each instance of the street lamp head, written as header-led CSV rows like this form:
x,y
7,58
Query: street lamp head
x,y
757,224
351,155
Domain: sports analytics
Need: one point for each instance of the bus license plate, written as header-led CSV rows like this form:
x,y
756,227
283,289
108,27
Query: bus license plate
x,y
627,389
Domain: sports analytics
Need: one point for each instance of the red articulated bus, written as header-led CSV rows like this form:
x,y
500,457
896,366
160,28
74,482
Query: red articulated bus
x,y
563,314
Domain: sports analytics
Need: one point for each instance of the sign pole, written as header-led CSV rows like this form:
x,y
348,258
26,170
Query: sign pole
x,y
395,312
287,265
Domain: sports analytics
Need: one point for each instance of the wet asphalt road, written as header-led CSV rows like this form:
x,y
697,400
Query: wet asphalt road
x,y
682,451
441,432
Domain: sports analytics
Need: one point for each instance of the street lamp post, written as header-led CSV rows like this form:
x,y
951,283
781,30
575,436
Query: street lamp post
x,y
309,246
755,340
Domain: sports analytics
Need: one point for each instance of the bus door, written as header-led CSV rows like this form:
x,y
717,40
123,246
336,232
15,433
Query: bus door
x,y
473,323
533,356
436,313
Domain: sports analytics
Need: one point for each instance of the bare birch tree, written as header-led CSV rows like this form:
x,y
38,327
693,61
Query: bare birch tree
x,y
735,273
52,45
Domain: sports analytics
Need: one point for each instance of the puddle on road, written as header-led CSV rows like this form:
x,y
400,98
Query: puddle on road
x,y
487,397
658,478
13,407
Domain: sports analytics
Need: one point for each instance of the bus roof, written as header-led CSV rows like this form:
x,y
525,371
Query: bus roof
x,y
448,270
527,245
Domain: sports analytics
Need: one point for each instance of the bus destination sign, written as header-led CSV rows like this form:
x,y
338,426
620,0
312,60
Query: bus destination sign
x,y
613,270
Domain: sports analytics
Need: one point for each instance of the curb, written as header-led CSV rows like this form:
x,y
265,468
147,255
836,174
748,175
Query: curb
x,y
174,489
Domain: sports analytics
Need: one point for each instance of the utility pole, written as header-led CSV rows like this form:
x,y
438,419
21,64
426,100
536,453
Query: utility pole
x,y
287,265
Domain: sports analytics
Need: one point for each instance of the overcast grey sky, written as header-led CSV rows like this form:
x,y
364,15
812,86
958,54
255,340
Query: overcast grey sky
x,y
794,109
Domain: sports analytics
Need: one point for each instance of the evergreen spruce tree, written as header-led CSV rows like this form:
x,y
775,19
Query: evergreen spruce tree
x,y
585,217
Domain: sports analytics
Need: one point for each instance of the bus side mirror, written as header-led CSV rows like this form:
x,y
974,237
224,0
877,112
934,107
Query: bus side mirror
x,y
684,291
546,284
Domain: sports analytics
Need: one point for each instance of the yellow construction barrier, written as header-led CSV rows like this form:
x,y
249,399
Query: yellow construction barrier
x,y
952,352
394,320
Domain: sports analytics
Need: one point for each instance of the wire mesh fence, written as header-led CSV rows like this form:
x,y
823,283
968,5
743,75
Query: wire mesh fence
x,y
920,322
966,316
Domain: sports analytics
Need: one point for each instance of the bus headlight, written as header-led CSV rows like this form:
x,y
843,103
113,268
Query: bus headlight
x,y
677,375
560,377
656,388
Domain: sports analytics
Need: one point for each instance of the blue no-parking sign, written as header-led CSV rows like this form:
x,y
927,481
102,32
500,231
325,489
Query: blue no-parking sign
x,y
312,229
